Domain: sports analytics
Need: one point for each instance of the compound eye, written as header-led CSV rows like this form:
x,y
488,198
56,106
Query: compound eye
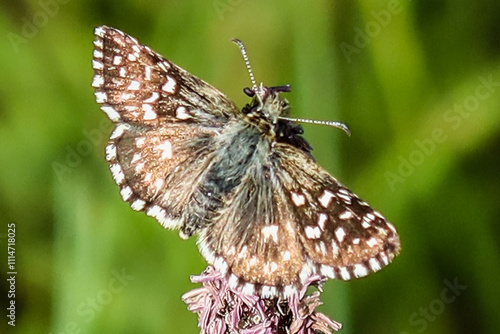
x,y
248,91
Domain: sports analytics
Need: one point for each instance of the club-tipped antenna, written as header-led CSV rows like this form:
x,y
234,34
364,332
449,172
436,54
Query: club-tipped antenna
x,y
247,62
338,125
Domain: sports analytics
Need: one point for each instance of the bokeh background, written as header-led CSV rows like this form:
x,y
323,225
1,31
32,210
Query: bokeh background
x,y
418,82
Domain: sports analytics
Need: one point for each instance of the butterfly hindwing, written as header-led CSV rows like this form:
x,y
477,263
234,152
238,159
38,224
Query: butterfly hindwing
x,y
286,223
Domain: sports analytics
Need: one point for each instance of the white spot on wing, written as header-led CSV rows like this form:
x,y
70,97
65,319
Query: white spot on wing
x,y
147,73
384,258
99,31
149,113
268,291
326,198
370,216
232,281
110,152
117,60
98,81
134,85
101,97
166,150
98,43
243,252
321,247
97,54
117,172
335,248
298,199
360,270
248,289
182,113
126,192
127,96
154,96
159,183
135,47
138,205
270,231
322,218
288,291
374,264
97,65
344,195
169,86
164,66
327,271
139,142
344,273
340,234
371,242
346,215
312,232
119,130
111,112
221,265
366,224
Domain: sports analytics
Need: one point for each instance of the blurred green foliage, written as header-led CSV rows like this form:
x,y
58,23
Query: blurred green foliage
x,y
417,81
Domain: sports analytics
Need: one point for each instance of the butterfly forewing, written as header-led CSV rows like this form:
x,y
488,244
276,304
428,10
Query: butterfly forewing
x,y
268,217
134,84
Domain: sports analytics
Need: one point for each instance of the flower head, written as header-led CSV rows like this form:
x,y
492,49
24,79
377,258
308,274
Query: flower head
x,y
223,310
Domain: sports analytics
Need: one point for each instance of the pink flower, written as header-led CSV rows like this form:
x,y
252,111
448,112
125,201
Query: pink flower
x,y
224,310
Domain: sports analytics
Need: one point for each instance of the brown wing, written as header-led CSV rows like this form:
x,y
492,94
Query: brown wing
x,y
290,220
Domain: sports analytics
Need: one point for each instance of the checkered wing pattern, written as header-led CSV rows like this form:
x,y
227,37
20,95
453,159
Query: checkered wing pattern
x,y
292,222
165,123
267,216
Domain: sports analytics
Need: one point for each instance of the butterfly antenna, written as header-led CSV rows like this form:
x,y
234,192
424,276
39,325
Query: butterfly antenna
x,y
338,125
247,62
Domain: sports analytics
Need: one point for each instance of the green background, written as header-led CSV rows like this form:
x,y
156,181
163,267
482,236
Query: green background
x,y
418,82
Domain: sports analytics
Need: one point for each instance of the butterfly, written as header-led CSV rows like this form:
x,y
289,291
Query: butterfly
x,y
266,215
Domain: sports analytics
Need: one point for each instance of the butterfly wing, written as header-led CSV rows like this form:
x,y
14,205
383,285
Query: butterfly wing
x,y
136,85
165,119
341,234
290,220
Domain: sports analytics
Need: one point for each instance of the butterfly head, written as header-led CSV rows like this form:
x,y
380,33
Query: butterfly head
x,y
267,105
269,111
